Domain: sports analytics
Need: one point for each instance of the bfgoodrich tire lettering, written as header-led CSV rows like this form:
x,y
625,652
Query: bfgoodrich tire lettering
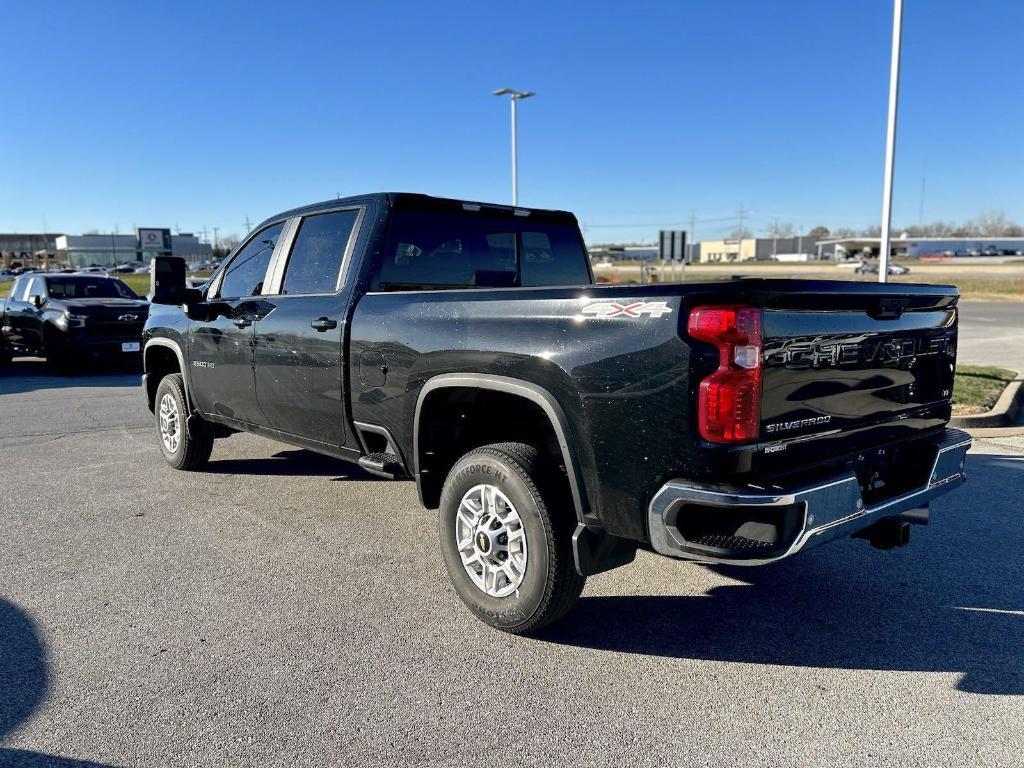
x,y
185,444
550,584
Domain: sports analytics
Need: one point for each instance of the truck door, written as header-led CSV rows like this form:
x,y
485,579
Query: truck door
x,y
220,352
299,342
24,319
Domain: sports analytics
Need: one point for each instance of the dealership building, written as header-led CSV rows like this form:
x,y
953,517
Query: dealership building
x,y
112,250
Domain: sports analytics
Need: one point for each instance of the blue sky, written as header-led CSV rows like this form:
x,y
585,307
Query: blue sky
x,y
203,114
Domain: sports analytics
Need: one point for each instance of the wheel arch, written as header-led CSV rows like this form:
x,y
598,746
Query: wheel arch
x,y
517,388
157,354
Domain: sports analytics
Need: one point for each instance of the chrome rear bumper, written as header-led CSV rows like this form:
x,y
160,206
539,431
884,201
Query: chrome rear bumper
x,y
824,511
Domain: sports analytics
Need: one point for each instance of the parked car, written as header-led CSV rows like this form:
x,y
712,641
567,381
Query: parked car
x,y
69,319
558,425
872,268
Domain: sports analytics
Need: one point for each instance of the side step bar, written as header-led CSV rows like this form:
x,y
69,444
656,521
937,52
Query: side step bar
x,y
383,464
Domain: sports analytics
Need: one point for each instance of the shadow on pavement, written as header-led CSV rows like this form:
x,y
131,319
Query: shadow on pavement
x,y
23,687
32,375
292,463
952,603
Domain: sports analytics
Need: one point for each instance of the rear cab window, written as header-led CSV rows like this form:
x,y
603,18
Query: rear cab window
x,y
444,249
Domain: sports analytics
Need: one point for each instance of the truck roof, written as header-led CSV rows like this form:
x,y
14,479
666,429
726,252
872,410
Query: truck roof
x,y
414,200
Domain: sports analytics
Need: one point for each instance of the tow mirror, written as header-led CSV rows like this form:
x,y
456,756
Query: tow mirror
x,y
36,301
167,280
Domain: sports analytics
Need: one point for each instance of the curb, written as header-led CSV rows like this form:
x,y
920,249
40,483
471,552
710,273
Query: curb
x,y
1003,414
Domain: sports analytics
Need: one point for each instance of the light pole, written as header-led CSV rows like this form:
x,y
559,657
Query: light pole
x,y
514,96
890,139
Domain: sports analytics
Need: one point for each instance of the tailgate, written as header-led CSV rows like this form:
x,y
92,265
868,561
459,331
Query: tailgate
x,y
877,355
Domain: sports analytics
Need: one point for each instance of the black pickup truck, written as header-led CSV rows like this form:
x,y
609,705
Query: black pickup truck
x,y
70,319
559,425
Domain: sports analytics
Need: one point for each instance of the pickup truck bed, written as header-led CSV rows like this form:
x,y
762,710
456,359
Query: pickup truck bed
x,y
736,421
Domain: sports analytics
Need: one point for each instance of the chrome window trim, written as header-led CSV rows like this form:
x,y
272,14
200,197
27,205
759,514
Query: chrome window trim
x,y
283,247
275,284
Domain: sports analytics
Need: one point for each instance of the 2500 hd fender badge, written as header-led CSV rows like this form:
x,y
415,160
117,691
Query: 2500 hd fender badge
x,y
201,364
636,309
786,426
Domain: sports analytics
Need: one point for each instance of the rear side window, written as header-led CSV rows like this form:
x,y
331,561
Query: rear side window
x,y
318,251
434,249
245,274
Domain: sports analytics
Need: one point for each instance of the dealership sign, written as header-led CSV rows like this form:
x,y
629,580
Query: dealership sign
x,y
154,240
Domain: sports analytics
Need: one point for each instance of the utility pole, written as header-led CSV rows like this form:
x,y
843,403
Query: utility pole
x,y
693,242
920,206
775,237
248,226
215,231
739,246
890,140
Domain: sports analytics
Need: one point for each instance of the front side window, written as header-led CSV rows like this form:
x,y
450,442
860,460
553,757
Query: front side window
x,y
36,288
245,274
434,249
318,252
20,290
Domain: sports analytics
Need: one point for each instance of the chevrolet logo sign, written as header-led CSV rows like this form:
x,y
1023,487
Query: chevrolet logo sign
x,y
127,318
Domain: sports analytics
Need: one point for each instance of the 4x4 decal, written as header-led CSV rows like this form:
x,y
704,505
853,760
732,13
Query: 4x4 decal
x,y
636,309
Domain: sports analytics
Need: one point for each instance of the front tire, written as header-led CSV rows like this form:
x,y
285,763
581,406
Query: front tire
x,y
506,537
185,443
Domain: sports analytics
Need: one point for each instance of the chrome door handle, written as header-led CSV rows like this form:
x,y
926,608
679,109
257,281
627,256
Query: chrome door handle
x,y
323,324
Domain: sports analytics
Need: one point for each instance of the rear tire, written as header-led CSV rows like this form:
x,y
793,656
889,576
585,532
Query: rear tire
x,y
185,443
506,529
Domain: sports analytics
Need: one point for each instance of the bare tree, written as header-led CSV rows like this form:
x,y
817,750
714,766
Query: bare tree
x,y
990,223
873,231
740,233
843,233
820,232
784,229
937,229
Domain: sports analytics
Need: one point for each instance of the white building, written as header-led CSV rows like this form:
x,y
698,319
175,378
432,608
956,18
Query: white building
x,y
111,250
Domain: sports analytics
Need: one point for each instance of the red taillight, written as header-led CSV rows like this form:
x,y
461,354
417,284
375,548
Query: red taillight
x,y
729,401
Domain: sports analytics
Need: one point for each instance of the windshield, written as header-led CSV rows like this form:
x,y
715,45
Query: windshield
x,y
88,288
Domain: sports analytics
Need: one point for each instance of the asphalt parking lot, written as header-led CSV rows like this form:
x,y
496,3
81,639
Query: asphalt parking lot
x,y
286,609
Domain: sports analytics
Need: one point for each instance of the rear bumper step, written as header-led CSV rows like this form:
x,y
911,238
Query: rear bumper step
x,y
753,527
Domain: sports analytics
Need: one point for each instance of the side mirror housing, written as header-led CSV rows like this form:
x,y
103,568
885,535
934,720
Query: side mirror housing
x,y
167,280
36,301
